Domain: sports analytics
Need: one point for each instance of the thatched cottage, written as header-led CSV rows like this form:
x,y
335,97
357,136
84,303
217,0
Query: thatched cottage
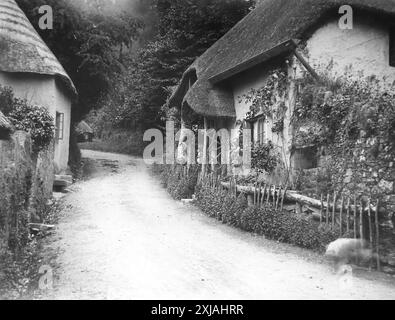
x,y
29,67
299,37
85,132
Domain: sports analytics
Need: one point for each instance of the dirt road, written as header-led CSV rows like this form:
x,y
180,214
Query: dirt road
x,y
121,236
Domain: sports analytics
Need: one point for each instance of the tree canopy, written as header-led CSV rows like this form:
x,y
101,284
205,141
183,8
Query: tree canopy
x,y
185,29
123,60
89,43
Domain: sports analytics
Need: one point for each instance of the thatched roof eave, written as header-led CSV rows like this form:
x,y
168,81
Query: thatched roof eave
x,y
23,51
282,48
83,127
265,33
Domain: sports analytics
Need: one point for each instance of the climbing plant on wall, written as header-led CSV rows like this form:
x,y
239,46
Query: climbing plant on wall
x,y
347,109
353,121
263,157
268,100
33,119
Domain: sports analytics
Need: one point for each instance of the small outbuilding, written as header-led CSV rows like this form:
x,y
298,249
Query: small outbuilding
x,y
85,132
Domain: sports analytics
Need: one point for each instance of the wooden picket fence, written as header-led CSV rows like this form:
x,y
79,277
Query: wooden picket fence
x,y
262,194
339,213
354,216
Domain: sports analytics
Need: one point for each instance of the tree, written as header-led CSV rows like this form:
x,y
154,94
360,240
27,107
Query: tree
x,y
185,30
88,43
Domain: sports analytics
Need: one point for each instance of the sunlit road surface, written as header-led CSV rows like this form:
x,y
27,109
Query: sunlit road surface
x,y
121,236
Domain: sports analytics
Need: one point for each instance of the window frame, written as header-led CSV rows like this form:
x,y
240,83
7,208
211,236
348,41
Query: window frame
x,y
59,126
259,128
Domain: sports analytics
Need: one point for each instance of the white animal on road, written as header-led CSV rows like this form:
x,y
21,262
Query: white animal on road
x,y
346,251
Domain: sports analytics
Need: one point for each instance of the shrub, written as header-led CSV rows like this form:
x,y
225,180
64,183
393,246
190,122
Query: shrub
x,y
19,234
263,157
265,221
118,141
33,119
178,184
238,206
213,206
234,211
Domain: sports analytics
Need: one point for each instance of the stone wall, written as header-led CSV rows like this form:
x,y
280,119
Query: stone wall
x,y
360,52
25,186
371,172
368,171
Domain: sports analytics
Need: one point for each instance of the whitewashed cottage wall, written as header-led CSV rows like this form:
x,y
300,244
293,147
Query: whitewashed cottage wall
x,y
42,90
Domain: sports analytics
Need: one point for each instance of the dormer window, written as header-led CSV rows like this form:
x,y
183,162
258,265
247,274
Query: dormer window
x,y
392,46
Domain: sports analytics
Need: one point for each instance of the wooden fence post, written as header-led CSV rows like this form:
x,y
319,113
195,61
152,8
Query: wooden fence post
x,y
355,217
327,209
377,235
341,216
322,208
348,215
259,194
278,196
255,193
370,231
282,200
361,221
370,225
263,195
334,209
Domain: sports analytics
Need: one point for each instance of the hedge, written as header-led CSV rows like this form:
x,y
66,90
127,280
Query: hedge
x,y
178,184
265,221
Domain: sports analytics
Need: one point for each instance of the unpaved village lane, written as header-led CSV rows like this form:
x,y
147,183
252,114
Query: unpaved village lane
x,y
120,236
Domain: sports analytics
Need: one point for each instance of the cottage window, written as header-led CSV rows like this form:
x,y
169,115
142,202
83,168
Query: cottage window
x,y
260,130
59,125
392,46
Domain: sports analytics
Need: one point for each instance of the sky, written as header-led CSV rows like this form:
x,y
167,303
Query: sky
x,y
137,8
111,6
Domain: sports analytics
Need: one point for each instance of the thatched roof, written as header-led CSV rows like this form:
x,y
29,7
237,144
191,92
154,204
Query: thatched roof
x,y
23,50
83,127
265,33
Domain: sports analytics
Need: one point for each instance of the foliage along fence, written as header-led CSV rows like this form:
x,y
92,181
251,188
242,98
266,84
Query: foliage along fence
x,y
180,181
345,216
358,217
262,214
259,208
